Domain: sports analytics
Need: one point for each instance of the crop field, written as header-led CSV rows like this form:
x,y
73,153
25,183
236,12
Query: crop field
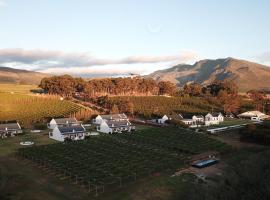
x,y
108,162
30,109
17,88
160,105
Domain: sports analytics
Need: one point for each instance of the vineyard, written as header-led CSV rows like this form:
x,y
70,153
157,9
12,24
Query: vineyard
x,y
159,105
107,162
30,109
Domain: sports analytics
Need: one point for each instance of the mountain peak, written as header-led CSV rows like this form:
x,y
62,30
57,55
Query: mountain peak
x,y
248,75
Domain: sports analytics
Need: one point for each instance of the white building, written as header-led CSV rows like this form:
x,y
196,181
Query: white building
x,y
188,122
253,115
111,126
10,129
62,122
163,119
74,132
213,118
115,117
198,119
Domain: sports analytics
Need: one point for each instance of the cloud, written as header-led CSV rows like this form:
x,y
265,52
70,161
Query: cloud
x,y
58,61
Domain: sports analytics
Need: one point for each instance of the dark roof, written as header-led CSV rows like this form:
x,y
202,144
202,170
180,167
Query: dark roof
x,y
199,116
175,116
71,129
215,114
66,120
114,116
10,126
118,123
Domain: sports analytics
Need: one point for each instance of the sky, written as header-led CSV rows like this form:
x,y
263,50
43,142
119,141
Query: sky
x,y
98,37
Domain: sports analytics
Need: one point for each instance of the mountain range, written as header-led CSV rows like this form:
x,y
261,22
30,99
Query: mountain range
x,y
247,75
10,75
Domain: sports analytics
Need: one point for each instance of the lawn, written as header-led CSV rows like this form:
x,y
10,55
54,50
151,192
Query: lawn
x,y
12,144
230,122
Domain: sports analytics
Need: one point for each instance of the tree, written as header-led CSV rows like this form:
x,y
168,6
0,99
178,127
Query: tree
x,y
166,87
115,109
192,89
130,108
259,97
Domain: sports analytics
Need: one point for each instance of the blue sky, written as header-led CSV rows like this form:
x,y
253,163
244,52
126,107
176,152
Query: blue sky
x,y
118,37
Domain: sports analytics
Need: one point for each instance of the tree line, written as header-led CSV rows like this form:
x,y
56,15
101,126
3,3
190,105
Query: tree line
x,y
68,86
222,93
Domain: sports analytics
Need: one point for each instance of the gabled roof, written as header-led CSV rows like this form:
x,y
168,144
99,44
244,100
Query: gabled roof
x,y
175,116
251,113
121,123
66,120
114,116
71,129
10,126
198,116
215,114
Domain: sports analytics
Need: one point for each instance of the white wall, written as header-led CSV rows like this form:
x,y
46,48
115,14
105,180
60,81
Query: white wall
x,y
104,128
56,135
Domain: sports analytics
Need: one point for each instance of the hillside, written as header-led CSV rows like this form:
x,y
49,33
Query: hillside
x,y
10,75
247,75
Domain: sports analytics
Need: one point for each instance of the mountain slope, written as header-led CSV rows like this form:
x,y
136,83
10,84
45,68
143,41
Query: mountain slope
x,y
10,75
247,75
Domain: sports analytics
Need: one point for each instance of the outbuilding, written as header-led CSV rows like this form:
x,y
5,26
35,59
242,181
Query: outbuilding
x,y
60,133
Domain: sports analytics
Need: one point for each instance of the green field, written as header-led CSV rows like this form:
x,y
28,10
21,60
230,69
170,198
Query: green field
x,y
107,162
17,88
28,109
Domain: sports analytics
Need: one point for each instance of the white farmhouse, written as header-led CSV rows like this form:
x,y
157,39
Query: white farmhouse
x,y
115,117
10,129
111,126
188,122
60,133
253,115
62,122
198,119
163,119
213,118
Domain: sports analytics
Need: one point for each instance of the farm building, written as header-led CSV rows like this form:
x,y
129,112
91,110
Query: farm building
x,y
111,126
114,117
10,129
62,122
198,119
213,118
253,115
163,119
74,132
188,122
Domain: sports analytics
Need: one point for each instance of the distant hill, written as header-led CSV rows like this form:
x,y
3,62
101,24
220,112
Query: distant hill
x,y
247,75
10,75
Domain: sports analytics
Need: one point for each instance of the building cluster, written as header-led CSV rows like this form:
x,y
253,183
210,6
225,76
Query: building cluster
x,y
9,129
195,120
62,129
115,123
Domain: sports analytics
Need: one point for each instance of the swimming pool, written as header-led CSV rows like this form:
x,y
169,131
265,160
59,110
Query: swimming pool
x,y
205,163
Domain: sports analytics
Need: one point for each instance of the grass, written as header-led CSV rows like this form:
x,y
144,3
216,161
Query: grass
x,y
230,122
109,161
11,144
17,88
